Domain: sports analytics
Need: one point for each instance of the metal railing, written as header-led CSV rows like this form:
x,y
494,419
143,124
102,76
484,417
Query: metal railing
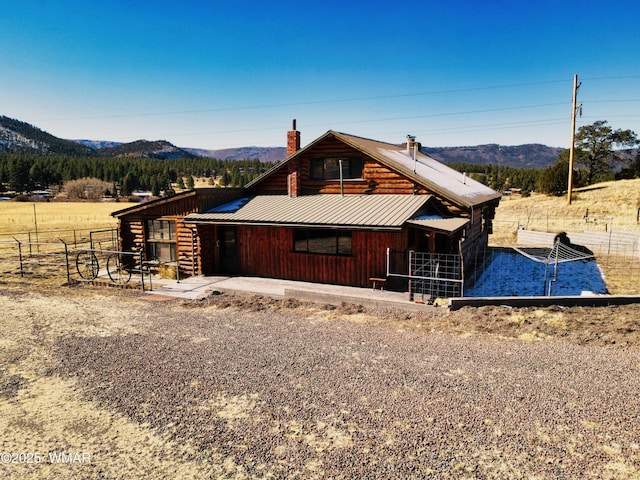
x,y
29,257
430,275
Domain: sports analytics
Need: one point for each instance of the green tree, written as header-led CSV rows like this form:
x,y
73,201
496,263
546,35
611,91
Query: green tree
x,y
129,184
226,179
554,180
595,148
155,187
19,179
190,182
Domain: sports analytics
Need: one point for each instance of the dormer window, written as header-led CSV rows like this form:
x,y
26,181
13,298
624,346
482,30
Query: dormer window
x,y
329,168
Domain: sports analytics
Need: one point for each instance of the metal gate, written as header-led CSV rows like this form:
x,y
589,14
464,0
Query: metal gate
x,y
430,275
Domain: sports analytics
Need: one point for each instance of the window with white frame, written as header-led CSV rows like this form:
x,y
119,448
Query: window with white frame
x,y
161,242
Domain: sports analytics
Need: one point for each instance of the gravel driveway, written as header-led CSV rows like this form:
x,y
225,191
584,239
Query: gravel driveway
x,y
296,391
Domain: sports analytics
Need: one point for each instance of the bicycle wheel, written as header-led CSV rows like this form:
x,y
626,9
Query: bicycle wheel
x,y
87,265
116,270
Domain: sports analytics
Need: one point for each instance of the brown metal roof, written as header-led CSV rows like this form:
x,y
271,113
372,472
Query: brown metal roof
x,y
352,211
438,177
146,205
424,170
446,225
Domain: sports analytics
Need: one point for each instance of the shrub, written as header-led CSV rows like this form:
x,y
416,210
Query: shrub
x,y
86,189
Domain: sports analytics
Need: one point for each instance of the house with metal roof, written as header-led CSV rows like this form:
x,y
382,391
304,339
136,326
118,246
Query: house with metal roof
x,y
343,210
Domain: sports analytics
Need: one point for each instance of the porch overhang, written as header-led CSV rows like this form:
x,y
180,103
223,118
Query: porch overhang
x,y
438,224
379,212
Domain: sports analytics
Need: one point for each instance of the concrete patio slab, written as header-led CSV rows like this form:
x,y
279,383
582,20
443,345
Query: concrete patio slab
x,y
202,286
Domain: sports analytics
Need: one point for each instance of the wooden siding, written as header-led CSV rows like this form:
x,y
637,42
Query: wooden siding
x,y
132,224
268,252
376,178
186,249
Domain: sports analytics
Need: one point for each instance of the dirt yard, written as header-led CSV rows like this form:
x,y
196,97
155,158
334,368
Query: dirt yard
x,y
252,387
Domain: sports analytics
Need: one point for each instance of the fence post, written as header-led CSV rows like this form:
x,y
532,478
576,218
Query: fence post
x,y
66,256
20,255
141,271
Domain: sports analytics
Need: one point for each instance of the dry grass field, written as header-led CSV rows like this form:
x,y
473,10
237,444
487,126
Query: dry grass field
x,y
20,217
608,205
597,208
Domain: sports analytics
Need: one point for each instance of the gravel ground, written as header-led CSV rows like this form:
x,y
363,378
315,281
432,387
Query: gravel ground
x,y
253,388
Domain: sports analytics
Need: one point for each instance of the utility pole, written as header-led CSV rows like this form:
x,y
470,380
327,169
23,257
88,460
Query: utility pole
x,y
574,110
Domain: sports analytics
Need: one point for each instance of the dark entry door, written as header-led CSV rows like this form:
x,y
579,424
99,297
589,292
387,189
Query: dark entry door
x,y
228,243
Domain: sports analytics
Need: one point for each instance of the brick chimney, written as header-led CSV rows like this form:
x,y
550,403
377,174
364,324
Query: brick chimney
x,y
293,140
293,184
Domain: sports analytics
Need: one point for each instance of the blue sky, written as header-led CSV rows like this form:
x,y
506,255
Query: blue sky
x,y
228,74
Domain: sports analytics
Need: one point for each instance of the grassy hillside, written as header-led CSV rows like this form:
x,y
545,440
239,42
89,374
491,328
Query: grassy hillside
x,y
609,205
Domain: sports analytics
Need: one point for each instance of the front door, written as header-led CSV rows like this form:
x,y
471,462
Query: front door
x,y
228,250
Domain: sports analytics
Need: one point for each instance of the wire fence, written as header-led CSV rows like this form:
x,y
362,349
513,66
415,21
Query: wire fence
x,y
427,275
614,268
79,255
76,237
505,230
506,271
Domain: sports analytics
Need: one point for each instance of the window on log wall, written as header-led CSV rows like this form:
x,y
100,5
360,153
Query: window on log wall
x,y
326,242
161,240
329,168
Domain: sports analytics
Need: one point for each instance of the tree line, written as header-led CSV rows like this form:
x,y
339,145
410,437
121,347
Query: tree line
x,y
601,154
26,172
500,177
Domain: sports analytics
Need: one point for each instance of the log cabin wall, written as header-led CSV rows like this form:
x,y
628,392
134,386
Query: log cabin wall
x,y
186,249
268,252
132,225
376,178
205,242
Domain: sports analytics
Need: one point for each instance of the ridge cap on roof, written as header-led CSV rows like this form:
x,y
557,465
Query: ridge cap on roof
x,y
396,145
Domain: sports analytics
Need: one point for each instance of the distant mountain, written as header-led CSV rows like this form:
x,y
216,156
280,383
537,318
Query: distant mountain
x,y
264,154
531,156
146,149
98,144
520,156
20,137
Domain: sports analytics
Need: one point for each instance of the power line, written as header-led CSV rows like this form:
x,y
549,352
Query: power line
x,y
316,102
